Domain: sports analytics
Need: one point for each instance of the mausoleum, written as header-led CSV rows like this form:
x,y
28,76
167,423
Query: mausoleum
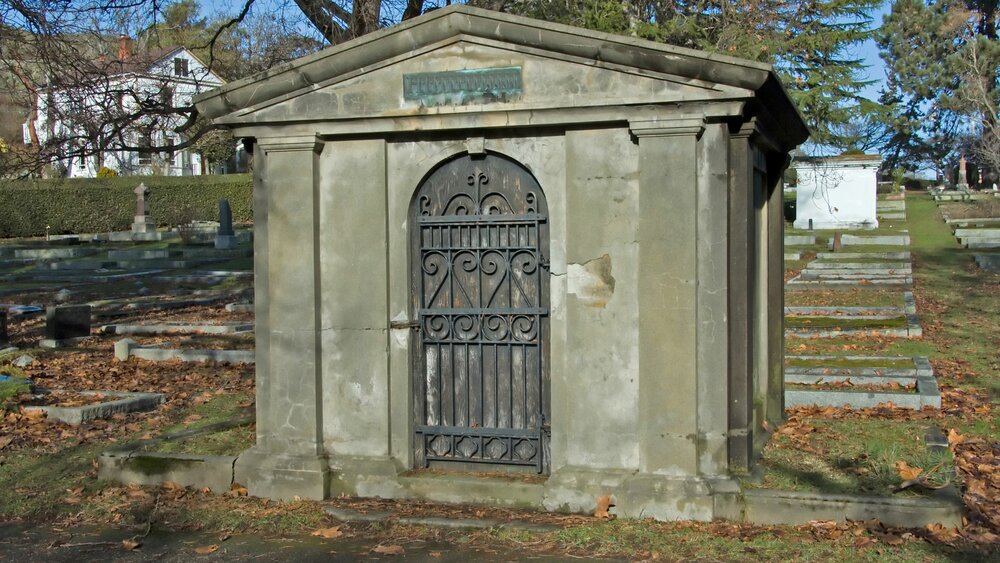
x,y
487,245
837,192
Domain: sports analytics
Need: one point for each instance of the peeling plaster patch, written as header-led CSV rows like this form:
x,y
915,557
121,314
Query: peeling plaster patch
x,y
591,282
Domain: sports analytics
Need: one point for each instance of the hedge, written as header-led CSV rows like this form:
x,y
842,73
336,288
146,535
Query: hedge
x,y
108,204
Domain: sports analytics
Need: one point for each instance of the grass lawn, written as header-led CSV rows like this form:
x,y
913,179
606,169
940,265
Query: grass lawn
x,y
833,322
958,304
47,472
846,297
848,363
850,457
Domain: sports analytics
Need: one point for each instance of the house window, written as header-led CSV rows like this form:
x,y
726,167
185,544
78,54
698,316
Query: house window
x,y
145,147
180,67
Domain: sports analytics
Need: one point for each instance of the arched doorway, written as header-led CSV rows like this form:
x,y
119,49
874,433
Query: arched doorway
x,y
480,295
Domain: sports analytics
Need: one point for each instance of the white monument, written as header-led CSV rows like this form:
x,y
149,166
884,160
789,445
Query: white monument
x,y
837,192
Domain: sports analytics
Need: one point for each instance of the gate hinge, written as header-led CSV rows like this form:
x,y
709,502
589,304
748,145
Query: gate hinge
x,y
543,261
404,324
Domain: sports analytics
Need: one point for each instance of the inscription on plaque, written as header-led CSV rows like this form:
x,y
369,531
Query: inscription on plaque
x,y
458,87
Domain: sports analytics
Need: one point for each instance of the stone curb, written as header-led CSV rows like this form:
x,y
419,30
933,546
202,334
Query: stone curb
x,y
921,366
772,507
878,267
129,402
796,240
61,343
221,356
901,281
973,222
240,307
858,311
926,395
348,515
189,470
232,328
126,465
988,262
904,255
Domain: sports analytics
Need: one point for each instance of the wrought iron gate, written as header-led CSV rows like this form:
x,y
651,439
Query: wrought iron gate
x,y
480,291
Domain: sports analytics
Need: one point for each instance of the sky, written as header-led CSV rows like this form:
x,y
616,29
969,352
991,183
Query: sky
x,y
869,52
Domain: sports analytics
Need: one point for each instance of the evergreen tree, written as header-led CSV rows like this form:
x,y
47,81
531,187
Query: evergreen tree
x,y
808,41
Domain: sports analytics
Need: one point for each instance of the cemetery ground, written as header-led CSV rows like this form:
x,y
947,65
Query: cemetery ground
x,y
53,506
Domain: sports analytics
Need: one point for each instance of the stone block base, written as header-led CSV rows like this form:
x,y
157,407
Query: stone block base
x,y
226,242
283,476
214,472
638,495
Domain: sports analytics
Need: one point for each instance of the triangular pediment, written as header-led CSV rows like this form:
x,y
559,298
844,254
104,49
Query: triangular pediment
x,y
460,59
469,74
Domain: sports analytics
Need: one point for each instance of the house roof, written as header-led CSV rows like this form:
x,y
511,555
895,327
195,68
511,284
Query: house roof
x,y
313,71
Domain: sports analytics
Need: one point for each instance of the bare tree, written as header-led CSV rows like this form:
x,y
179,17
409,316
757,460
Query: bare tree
x,y
980,94
64,58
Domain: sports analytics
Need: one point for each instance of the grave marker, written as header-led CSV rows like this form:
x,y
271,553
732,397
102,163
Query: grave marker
x,y
142,223
225,238
66,323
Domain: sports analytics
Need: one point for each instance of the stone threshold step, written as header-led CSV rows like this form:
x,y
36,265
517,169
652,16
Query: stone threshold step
x,y
348,515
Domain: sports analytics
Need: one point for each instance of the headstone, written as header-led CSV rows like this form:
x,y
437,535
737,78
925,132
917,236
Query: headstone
x,y
837,244
963,179
225,238
123,348
23,361
4,339
63,295
142,223
64,322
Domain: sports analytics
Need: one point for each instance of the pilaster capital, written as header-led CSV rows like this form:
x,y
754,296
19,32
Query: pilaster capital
x,y
747,129
291,144
668,127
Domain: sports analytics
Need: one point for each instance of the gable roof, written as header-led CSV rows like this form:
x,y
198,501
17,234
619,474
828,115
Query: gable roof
x,y
311,72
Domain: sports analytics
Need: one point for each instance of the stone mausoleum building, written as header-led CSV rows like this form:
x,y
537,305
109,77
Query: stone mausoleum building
x,y
489,244
837,192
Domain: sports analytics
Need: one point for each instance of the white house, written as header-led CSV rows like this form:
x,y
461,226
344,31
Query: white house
x,y
837,192
95,118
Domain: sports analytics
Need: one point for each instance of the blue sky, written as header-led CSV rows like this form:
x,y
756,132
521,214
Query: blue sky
x,y
869,52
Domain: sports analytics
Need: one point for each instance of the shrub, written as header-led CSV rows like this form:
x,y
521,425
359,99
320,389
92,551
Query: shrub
x,y
105,172
108,204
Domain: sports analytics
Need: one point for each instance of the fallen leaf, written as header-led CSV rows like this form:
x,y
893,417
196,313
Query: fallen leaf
x,y
388,549
954,438
435,554
173,486
328,533
603,505
206,549
237,490
5,441
907,473
129,545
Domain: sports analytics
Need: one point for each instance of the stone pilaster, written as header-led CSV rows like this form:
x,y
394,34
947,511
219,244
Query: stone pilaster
x,y
288,459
